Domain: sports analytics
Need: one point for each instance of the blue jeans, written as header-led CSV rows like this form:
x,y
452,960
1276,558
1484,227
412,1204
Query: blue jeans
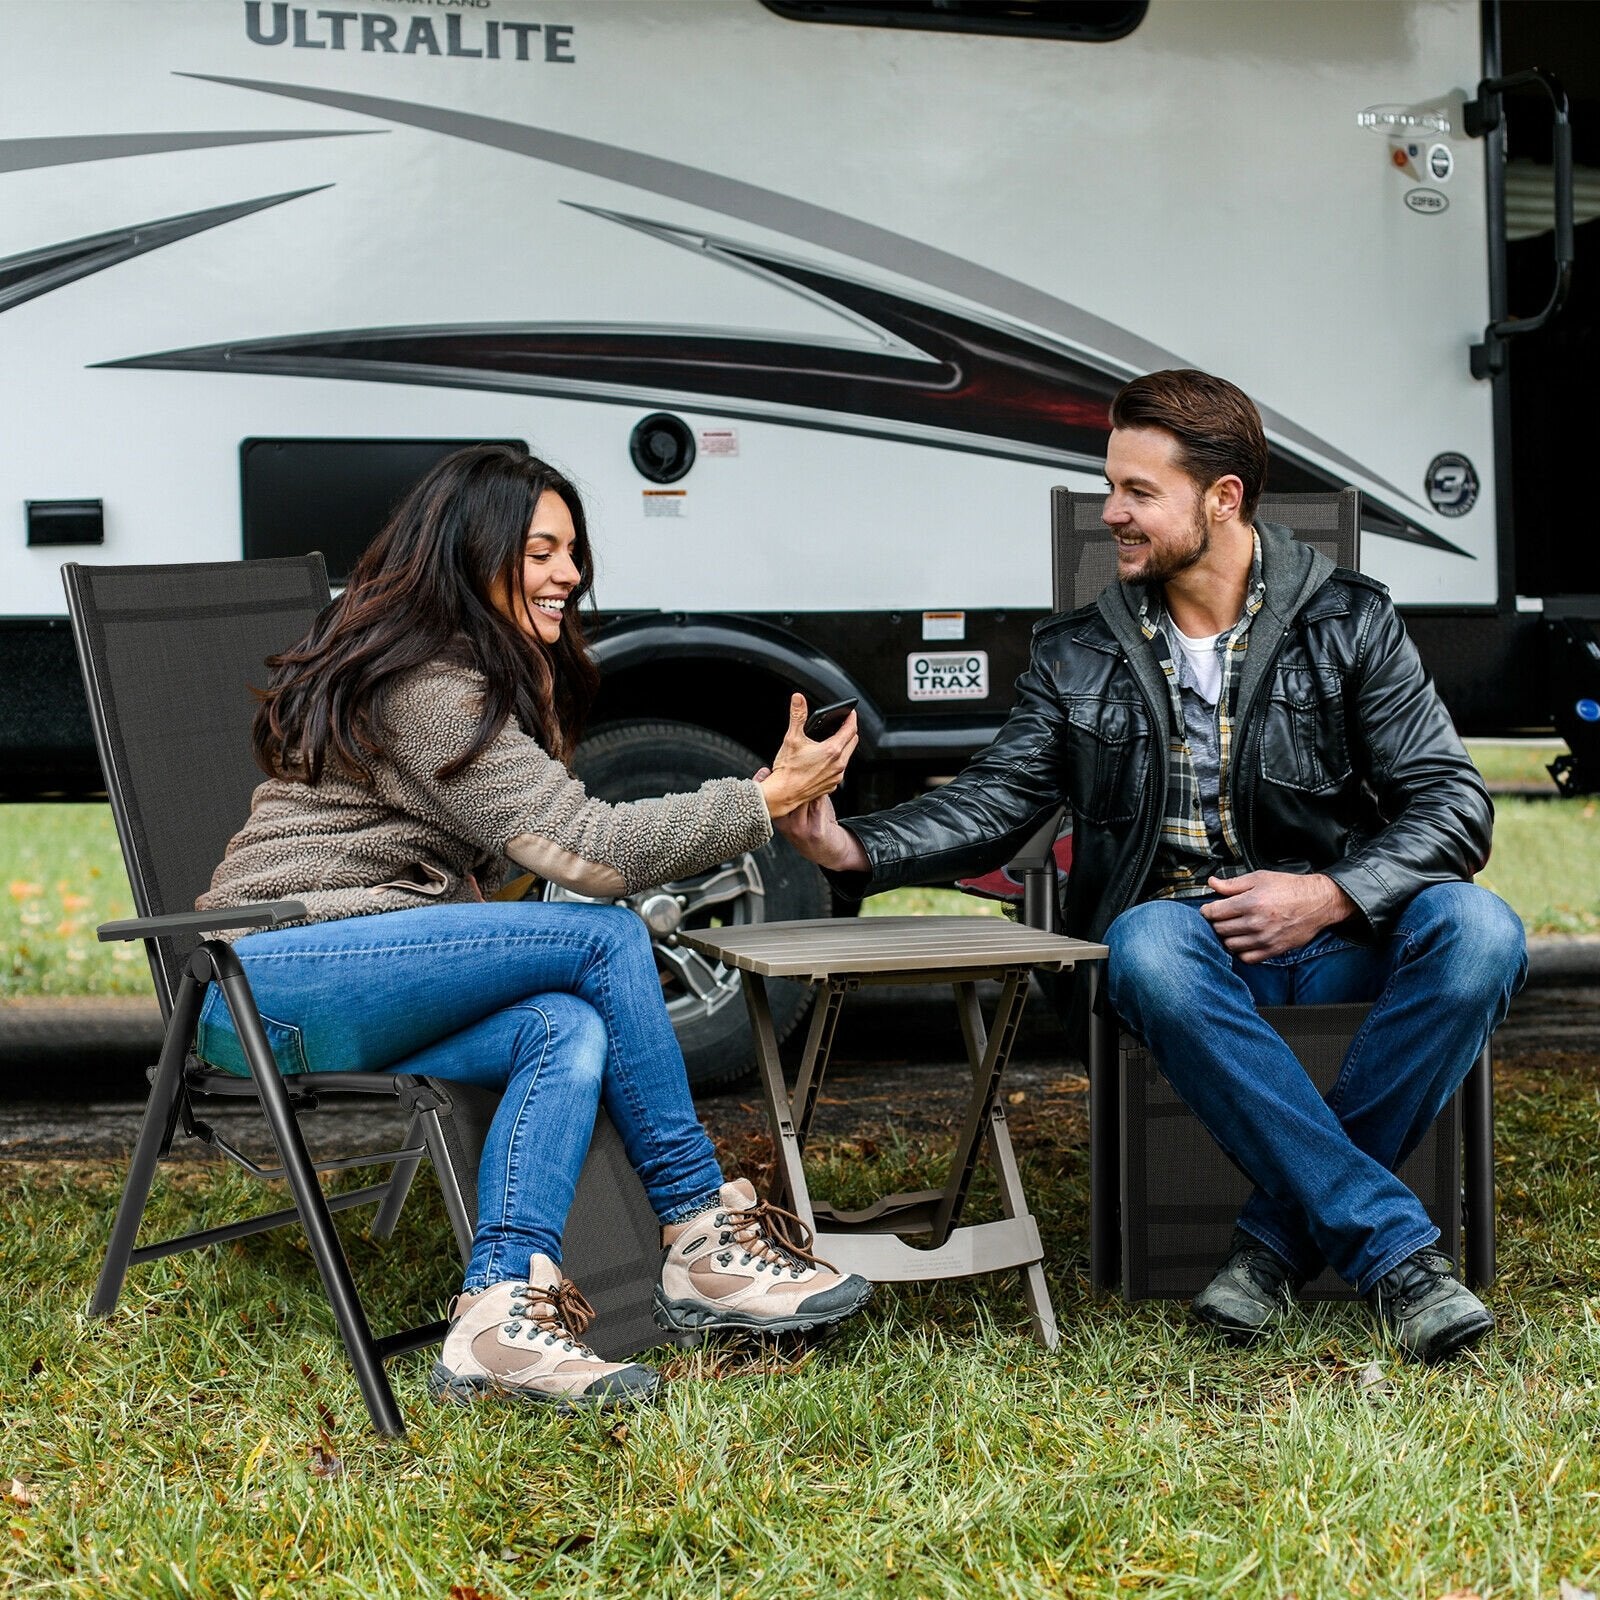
x,y
557,1005
1324,1170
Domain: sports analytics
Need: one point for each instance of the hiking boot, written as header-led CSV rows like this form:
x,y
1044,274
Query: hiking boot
x,y
746,1265
1431,1313
1252,1286
519,1340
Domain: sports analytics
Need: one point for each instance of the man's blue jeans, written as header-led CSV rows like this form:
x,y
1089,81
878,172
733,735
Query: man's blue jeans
x,y
558,1005
1324,1171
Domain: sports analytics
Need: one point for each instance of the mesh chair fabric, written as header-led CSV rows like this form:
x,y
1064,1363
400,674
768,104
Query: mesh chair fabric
x,y
169,655
612,1245
1180,1194
1084,555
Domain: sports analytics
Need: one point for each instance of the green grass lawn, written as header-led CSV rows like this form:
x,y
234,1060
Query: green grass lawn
x,y
185,1446
61,874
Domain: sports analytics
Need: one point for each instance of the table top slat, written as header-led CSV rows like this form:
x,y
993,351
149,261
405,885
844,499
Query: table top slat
x,y
828,947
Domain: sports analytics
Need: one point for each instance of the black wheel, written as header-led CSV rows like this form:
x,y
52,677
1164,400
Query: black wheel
x,y
635,760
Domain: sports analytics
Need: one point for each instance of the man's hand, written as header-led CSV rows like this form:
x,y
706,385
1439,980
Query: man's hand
x,y
815,832
1263,914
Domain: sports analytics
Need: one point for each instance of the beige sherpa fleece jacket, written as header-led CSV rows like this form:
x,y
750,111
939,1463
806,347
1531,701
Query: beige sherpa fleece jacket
x,y
347,849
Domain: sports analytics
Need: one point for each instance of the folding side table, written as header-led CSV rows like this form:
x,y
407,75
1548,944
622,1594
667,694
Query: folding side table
x,y
841,954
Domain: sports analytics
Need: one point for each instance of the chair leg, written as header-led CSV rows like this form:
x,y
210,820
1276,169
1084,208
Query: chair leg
x,y
444,1167
1477,1108
315,1218
400,1179
154,1133
1105,1232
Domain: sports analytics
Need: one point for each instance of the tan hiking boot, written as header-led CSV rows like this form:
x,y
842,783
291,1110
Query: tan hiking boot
x,y
744,1265
520,1341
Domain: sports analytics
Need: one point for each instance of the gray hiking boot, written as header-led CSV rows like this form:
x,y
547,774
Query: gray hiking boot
x,y
1431,1313
1252,1286
520,1341
739,1267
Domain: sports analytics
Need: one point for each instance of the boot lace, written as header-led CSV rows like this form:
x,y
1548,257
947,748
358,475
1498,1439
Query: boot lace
x,y
775,1238
559,1312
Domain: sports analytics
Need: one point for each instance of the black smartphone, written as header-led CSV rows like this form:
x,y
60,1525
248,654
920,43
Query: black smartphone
x,y
827,720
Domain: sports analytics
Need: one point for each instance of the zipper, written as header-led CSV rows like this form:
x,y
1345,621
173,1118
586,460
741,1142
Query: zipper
x,y
1243,721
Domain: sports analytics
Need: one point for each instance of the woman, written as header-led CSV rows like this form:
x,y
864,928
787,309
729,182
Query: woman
x,y
414,743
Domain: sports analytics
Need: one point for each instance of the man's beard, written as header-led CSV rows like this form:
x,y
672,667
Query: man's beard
x,y
1168,563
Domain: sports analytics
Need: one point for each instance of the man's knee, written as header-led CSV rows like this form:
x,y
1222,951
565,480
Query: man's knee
x,y
1155,950
1487,947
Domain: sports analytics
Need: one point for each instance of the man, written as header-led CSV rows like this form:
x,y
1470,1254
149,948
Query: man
x,y
1270,806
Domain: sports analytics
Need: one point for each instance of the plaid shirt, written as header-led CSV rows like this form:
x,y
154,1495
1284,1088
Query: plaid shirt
x,y
1190,851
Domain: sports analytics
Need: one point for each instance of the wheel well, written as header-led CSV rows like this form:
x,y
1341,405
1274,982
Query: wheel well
x,y
744,702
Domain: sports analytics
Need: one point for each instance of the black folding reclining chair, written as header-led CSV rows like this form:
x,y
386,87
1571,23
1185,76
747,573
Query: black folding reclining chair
x,y
168,654
1163,1198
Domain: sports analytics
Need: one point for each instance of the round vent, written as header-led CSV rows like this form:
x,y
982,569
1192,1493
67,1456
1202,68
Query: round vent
x,y
662,447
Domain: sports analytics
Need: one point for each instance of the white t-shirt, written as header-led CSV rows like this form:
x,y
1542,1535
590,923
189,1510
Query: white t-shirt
x,y
1204,662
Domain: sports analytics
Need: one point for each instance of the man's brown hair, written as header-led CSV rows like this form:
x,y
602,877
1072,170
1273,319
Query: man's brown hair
x,y
1216,424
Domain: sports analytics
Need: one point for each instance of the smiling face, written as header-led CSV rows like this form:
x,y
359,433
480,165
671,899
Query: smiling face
x,y
550,572
1154,509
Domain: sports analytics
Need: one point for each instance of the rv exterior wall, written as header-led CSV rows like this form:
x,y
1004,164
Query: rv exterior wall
x,y
908,267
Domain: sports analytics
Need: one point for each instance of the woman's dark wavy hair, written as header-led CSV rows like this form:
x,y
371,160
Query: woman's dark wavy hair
x,y
421,592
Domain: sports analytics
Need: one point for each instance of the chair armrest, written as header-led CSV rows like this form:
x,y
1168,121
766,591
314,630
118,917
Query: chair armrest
x,y
265,914
1038,851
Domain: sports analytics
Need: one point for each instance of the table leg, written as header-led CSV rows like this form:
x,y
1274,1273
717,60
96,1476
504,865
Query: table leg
x,y
788,1175
987,1065
814,1058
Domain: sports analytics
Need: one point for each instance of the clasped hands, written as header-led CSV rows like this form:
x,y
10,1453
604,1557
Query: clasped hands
x,y
806,771
1264,914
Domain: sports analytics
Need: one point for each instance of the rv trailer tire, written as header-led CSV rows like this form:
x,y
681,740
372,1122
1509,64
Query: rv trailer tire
x,y
636,760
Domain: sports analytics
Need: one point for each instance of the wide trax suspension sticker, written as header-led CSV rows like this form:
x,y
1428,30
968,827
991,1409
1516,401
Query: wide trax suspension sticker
x,y
947,675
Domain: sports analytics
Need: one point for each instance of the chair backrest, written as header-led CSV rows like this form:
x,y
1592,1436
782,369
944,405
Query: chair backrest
x,y
1083,558
169,655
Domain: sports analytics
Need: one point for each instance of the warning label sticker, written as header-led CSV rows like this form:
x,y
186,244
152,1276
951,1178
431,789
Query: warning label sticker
x,y
666,502
947,675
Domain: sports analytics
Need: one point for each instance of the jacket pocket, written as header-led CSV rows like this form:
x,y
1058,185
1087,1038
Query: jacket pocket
x,y
1109,756
418,877
1303,743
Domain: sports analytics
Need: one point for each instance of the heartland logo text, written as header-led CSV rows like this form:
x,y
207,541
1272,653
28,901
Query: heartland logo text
x,y
302,28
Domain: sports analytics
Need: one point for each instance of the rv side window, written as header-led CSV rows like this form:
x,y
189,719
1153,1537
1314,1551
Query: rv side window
x,y
332,495
1093,21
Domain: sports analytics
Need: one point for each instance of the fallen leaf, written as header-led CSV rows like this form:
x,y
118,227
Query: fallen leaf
x,y
568,1542
1016,1097
1573,1591
25,891
36,1367
324,1463
1375,1386
21,1494
619,1435
468,1591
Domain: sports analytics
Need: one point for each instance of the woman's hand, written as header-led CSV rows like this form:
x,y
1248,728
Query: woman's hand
x,y
806,769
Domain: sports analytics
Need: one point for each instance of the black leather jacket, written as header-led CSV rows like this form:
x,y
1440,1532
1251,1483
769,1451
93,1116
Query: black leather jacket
x,y
1346,760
